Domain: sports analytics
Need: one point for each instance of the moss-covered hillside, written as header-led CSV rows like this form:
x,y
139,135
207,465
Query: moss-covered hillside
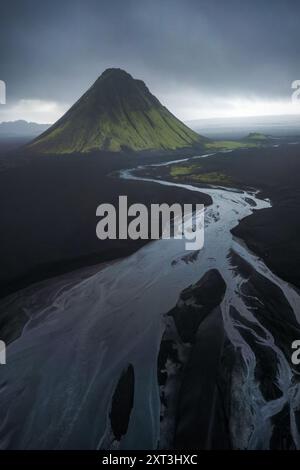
x,y
117,113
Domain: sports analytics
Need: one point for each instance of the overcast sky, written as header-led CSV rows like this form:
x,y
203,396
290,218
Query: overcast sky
x,y
201,58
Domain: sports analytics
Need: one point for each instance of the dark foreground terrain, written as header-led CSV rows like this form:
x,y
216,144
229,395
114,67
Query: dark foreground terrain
x,y
161,349
273,234
48,212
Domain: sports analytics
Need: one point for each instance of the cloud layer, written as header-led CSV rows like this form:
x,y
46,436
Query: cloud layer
x,y
197,56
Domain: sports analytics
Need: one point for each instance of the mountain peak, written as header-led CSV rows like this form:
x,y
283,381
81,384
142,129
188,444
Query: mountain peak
x,y
117,113
115,72
119,81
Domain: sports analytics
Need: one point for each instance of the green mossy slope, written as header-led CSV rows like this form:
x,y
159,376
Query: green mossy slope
x,y
117,113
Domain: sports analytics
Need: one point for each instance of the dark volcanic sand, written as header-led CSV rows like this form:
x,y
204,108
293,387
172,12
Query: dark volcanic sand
x,y
55,200
48,212
273,233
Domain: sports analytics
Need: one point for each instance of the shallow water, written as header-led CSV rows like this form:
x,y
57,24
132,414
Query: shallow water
x,y
56,389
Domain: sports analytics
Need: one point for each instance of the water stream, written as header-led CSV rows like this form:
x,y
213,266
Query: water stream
x,y
57,386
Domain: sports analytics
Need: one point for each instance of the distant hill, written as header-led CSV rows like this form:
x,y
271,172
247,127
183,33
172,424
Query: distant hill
x,y
21,128
256,137
253,139
118,113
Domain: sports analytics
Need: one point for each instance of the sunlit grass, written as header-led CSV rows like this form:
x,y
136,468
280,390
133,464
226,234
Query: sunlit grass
x,y
228,145
193,173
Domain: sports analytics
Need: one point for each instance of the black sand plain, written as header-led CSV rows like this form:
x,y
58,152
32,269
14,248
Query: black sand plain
x,y
272,233
48,212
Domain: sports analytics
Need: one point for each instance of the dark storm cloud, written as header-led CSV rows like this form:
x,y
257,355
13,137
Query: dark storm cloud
x,y
55,50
